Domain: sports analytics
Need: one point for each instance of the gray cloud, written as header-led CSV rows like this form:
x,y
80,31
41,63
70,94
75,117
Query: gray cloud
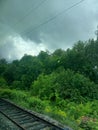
x,y
18,18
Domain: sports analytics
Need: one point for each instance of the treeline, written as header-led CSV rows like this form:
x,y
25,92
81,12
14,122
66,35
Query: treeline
x,y
70,74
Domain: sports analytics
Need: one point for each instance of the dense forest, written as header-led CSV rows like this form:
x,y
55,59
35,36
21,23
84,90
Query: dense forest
x,y
63,80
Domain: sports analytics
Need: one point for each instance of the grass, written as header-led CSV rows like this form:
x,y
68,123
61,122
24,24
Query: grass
x,y
81,116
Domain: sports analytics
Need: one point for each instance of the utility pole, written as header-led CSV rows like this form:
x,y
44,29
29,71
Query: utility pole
x,y
96,32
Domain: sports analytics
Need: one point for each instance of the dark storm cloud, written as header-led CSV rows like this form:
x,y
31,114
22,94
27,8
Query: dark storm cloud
x,y
76,24
21,18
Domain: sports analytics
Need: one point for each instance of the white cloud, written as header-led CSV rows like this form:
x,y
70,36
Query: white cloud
x,y
15,47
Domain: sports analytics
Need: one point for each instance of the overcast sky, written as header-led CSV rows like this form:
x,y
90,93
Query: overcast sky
x,y
24,28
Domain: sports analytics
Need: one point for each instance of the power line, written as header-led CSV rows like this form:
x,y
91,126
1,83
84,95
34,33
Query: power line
x,y
28,13
52,18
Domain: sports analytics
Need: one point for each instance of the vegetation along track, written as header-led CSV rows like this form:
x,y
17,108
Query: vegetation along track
x,y
25,119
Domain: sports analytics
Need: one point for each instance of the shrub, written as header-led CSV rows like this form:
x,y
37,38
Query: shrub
x,y
13,94
65,85
36,104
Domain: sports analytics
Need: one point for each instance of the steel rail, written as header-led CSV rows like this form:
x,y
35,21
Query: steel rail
x,y
12,120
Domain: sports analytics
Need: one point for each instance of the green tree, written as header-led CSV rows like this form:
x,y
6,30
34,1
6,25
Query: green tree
x,y
3,66
3,83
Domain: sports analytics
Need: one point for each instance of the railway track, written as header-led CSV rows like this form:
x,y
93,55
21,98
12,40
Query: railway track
x,y
26,120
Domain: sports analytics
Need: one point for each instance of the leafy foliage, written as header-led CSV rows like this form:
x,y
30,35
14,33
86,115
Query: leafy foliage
x,y
63,84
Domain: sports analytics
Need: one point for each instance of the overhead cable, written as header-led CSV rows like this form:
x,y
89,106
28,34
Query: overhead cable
x,y
52,18
29,12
